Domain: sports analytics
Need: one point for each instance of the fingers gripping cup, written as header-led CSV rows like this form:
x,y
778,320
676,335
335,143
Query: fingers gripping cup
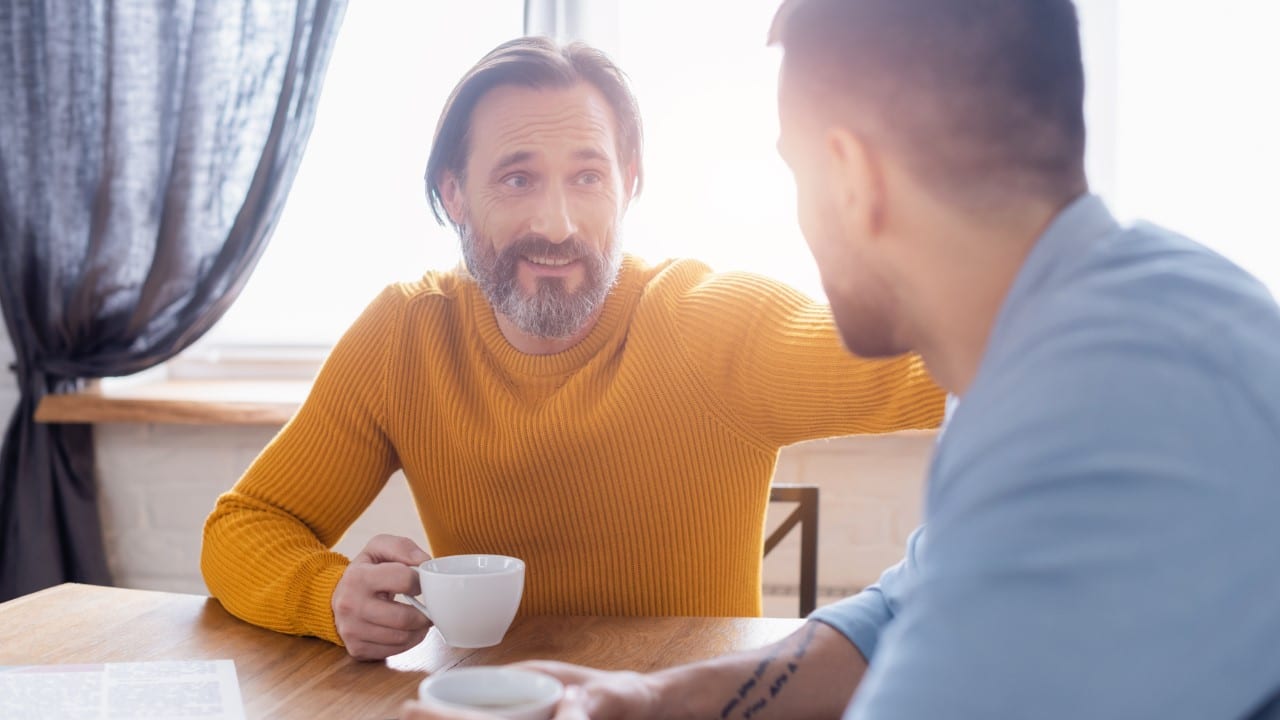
x,y
472,599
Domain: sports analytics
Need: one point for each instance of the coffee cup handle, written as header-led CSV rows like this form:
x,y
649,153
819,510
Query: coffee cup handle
x,y
418,604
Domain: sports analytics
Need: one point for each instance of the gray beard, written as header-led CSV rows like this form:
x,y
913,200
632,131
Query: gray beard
x,y
551,312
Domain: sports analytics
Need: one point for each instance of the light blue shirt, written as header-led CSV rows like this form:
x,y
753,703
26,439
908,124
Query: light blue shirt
x,y
1102,516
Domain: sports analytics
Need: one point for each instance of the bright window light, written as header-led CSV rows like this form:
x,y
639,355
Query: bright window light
x,y
357,218
716,188
1198,133
1181,107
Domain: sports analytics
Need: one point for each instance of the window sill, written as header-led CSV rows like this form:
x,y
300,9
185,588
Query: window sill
x,y
170,401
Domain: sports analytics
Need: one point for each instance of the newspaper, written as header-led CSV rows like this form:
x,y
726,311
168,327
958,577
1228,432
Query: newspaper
x,y
186,690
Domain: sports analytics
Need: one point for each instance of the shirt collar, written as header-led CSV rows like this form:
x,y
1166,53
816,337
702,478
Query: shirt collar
x,y
1070,236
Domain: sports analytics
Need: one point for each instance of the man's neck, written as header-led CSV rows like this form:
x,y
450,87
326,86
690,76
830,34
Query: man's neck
x,y
535,345
959,298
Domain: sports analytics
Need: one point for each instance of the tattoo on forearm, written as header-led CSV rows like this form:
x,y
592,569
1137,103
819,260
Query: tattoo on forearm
x,y
776,687
753,707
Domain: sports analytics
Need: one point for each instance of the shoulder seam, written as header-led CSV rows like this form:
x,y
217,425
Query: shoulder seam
x,y
713,403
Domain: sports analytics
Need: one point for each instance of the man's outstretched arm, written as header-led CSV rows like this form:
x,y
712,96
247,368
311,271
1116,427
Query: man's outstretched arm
x,y
810,674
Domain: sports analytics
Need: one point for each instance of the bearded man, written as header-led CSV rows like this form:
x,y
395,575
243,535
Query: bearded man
x,y
613,424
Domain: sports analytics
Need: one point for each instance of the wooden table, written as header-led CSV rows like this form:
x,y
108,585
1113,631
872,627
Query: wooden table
x,y
284,677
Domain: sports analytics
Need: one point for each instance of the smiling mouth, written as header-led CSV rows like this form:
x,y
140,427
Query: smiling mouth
x,y
548,261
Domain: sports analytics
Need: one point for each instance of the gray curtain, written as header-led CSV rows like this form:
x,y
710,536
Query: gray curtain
x,y
146,147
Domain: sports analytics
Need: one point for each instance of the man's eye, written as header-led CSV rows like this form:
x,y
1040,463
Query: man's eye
x,y
516,181
590,178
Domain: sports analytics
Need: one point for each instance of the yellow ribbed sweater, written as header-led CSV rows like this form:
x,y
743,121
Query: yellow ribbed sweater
x,y
631,472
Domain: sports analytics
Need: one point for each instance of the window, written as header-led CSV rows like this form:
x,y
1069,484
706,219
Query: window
x,y
357,217
1182,111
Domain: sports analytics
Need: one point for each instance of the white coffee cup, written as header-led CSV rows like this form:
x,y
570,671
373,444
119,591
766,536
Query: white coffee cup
x,y
472,599
501,691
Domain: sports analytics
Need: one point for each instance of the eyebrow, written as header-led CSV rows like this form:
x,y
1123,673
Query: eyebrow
x,y
514,158
591,153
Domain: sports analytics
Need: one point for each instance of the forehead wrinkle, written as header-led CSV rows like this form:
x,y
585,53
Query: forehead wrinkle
x,y
541,130
519,115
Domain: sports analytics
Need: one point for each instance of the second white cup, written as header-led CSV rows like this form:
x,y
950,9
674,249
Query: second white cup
x,y
472,599
503,692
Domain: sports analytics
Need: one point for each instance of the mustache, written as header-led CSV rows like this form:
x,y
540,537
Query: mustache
x,y
536,245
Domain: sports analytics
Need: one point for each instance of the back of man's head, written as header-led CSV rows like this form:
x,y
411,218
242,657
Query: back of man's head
x,y
981,99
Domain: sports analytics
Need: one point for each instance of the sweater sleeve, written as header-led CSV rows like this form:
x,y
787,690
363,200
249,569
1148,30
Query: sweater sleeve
x,y
774,360
266,553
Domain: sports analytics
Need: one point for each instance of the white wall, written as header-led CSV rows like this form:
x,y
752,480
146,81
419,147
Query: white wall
x,y
160,481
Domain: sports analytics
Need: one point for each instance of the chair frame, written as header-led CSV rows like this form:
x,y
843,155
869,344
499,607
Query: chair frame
x,y
805,514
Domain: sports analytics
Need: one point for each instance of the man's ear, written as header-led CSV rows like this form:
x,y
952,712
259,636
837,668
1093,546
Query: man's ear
x,y
857,180
451,195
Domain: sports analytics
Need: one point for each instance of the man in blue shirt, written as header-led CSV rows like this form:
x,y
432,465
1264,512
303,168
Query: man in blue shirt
x,y
1103,506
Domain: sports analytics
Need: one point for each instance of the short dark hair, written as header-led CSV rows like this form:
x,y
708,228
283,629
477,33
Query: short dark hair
x,y
534,62
981,98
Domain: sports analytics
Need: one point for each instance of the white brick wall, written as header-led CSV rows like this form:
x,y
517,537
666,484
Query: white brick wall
x,y
160,481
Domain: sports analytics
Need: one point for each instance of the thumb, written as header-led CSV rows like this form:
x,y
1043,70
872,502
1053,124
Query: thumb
x,y
573,705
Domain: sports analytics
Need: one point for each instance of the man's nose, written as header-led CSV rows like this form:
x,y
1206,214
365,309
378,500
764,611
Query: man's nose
x,y
554,218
